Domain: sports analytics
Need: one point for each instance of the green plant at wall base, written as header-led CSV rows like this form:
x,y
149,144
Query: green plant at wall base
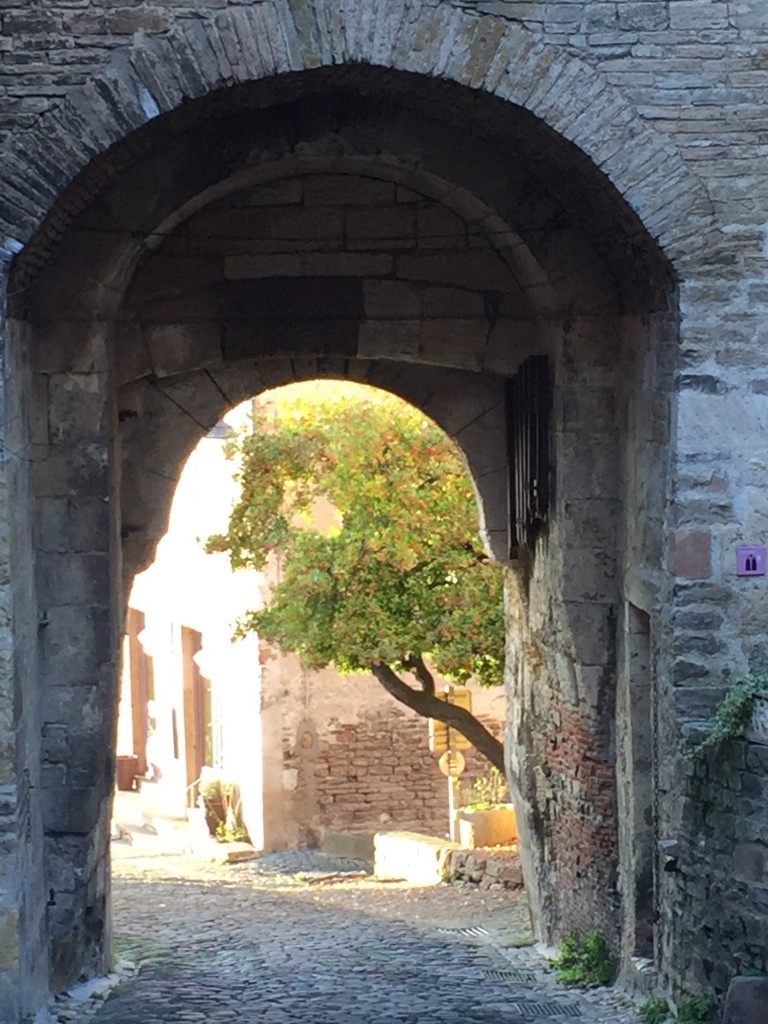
x,y
226,833
485,793
695,1011
583,961
654,1011
220,799
732,714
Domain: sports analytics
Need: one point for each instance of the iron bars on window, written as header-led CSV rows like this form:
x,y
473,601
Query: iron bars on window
x,y
529,402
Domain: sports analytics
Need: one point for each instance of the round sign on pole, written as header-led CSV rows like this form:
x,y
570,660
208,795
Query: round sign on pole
x,y
452,763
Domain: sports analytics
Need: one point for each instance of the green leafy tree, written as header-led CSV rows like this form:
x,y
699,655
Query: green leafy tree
x,y
399,583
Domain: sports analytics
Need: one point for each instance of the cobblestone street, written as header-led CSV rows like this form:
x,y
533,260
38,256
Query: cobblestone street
x,y
298,938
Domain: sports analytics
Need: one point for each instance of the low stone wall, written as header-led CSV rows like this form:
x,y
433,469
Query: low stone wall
x,y
488,869
355,845
428,861
410,855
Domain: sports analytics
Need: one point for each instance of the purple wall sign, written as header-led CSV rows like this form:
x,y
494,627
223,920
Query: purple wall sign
x,y
750,560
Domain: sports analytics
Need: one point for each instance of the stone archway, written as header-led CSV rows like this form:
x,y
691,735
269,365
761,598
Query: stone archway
x,y
467,132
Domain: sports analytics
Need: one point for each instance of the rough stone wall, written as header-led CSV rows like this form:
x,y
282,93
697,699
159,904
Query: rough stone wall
x,y
329,264
565,610
669,100
719,857
691,67
23,964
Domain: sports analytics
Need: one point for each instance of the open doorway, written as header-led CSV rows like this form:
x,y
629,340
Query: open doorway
x,y
638,789
314,754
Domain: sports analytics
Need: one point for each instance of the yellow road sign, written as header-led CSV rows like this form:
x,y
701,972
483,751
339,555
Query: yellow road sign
x,y
452,764
441,736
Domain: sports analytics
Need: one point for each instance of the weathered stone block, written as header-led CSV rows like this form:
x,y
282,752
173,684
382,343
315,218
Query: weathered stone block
x,y
400,340
74,579
746,1001
749,862
690,554
174,348
437,227
414,857
311,264
393,300
69,810
76,406
346,190
509,871
9,940
375,228
62,471
483,270
454,342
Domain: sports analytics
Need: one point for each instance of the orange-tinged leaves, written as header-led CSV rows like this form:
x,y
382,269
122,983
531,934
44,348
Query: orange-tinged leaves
x,y
401,571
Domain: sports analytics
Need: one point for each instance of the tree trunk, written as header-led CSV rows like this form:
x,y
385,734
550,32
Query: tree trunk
x,y
429,706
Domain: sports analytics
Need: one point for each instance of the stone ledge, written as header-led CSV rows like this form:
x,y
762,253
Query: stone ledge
x,y
491,868
428,860
355,845
411,856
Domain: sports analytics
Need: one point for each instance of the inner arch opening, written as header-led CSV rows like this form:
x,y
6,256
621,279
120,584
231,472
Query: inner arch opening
x,y
309,750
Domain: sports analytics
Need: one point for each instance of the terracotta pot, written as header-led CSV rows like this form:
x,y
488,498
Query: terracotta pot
x,y
215,812
127,768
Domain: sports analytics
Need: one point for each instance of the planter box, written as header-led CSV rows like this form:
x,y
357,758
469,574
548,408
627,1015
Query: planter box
x,y
495,827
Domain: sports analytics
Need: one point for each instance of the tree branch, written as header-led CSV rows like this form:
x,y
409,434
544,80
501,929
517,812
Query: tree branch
x,y
417,665
429,706
479,556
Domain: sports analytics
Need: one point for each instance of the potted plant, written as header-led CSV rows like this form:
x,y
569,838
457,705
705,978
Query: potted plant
x,y
212,799
220,800
486,818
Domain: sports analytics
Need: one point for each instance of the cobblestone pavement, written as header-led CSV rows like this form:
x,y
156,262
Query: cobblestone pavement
x,y
302,938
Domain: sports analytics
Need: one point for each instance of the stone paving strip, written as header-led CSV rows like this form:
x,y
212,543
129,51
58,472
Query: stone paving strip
x,y
305,938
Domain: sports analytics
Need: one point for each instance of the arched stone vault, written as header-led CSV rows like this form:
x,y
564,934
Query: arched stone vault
x,y
526,210
487,54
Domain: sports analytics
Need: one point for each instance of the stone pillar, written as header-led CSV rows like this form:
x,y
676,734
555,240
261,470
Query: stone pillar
x,y
520,758
79,621
561,667
23,924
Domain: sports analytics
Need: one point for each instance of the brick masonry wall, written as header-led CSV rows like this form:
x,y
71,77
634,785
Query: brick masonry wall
x,y
581,809
377,773
354,759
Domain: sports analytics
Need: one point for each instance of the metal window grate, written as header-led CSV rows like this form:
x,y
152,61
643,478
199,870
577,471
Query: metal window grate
x,y
529,401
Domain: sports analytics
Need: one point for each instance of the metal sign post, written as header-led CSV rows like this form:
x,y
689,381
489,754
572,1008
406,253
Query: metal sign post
x,y
452,764
449,743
